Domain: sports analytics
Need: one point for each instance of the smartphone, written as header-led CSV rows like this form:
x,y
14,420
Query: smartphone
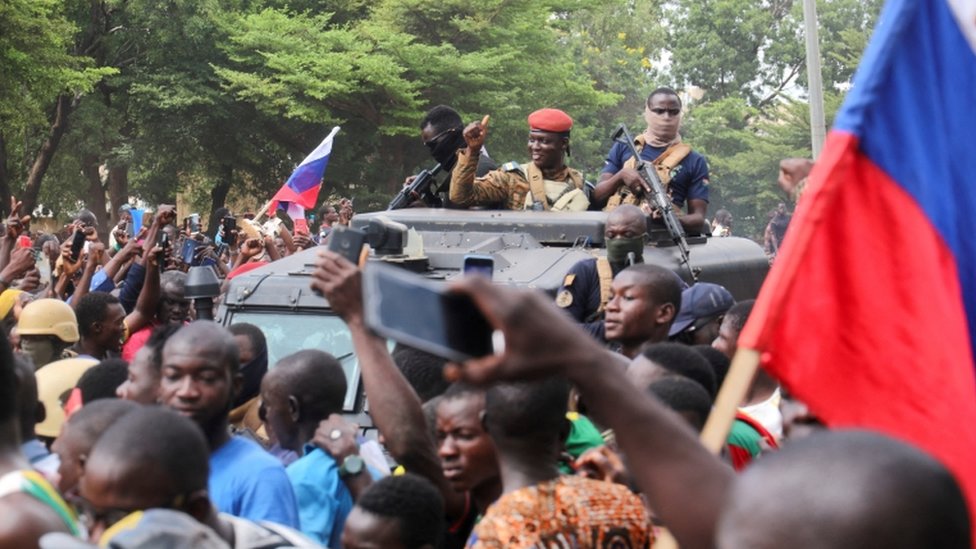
x,y
478,264
129,230
193,223
43,266
301,226
347,242
422,313
77,243
189,250
23,241
228,227
164,245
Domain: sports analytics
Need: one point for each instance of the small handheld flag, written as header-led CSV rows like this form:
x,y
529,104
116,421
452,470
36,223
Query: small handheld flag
x,y
301,191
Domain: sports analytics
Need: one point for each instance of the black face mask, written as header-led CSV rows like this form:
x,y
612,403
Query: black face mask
x,y
619,248
444,149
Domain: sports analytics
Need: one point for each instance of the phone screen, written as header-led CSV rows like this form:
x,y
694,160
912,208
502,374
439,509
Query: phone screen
x,y
481,265
421,313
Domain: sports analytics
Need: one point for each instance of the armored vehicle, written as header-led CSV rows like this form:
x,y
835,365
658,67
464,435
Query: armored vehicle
x,y
530,249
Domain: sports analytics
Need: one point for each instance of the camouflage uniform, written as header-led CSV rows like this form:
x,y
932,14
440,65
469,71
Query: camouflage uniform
x,y
507,185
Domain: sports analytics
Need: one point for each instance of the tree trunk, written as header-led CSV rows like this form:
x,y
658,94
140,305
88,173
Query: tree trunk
x,y
4,179
96,194
218,195
65,104
118,191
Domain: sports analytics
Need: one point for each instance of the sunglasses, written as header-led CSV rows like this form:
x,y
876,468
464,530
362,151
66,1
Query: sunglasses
x,y
434,141
660,112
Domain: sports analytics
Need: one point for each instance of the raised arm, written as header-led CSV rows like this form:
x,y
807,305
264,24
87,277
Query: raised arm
x,y
685,484
393,405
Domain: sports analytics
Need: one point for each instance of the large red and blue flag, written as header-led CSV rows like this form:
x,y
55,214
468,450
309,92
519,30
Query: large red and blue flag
x,y
869,314
301,191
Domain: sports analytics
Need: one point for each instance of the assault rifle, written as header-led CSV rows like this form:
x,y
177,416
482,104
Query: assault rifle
x,y
420,185
659,199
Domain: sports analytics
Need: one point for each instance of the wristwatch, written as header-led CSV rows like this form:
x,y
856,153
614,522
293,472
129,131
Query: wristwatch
x,y
351,466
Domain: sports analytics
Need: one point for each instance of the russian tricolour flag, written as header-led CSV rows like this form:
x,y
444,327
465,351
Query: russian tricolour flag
x,y
869,314
301,191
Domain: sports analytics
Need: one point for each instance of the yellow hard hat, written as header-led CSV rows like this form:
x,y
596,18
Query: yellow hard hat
x,y
49,317
54,384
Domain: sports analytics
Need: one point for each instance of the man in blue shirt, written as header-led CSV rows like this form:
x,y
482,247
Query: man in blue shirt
x,y
200,376
303,389
683,171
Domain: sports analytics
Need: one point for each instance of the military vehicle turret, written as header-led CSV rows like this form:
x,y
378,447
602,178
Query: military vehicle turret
x,y
530,249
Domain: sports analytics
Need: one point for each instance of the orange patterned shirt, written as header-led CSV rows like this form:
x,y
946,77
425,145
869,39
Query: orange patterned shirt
x,y
571,512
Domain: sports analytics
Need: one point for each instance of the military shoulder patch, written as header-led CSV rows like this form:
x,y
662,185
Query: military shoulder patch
x,y
564,299
512,167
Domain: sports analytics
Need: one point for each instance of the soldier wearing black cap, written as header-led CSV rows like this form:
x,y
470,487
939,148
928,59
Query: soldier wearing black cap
x,y
544,184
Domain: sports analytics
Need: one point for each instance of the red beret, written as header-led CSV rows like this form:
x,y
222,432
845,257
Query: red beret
x,y
550,120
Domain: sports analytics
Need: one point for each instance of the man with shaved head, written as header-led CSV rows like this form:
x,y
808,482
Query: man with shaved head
x,y
846,489
303,389
200,377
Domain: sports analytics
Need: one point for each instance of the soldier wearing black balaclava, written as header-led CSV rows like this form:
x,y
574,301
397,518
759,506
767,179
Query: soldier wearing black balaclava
x,y
442,133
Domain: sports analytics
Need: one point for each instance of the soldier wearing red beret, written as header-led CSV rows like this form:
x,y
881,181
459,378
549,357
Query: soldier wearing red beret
x,y
543,184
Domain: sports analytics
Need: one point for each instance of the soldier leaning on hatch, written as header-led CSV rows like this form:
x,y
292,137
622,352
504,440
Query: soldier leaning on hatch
x,y
543,184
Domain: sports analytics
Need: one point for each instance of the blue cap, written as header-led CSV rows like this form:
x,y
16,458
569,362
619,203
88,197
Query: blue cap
x,y
703,300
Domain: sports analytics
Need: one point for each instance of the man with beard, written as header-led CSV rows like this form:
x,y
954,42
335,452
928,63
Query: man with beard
x,y
683,172
200,377
586,287
442,132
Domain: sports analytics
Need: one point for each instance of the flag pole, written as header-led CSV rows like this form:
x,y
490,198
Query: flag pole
x,y
733,391
716,431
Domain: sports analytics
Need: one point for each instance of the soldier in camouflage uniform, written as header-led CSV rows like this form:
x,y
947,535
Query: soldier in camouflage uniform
x,y
544,184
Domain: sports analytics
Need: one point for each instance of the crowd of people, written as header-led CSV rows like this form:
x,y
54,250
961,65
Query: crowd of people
x,y
128,422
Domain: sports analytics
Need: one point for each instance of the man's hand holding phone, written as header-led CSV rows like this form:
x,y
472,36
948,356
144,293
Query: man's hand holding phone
x,y
339,281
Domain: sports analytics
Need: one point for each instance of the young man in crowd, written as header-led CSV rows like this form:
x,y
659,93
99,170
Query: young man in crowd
x,y
101,324
539,506
703,306
401,512
302,390
199,380
644,301
78,436
142,382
